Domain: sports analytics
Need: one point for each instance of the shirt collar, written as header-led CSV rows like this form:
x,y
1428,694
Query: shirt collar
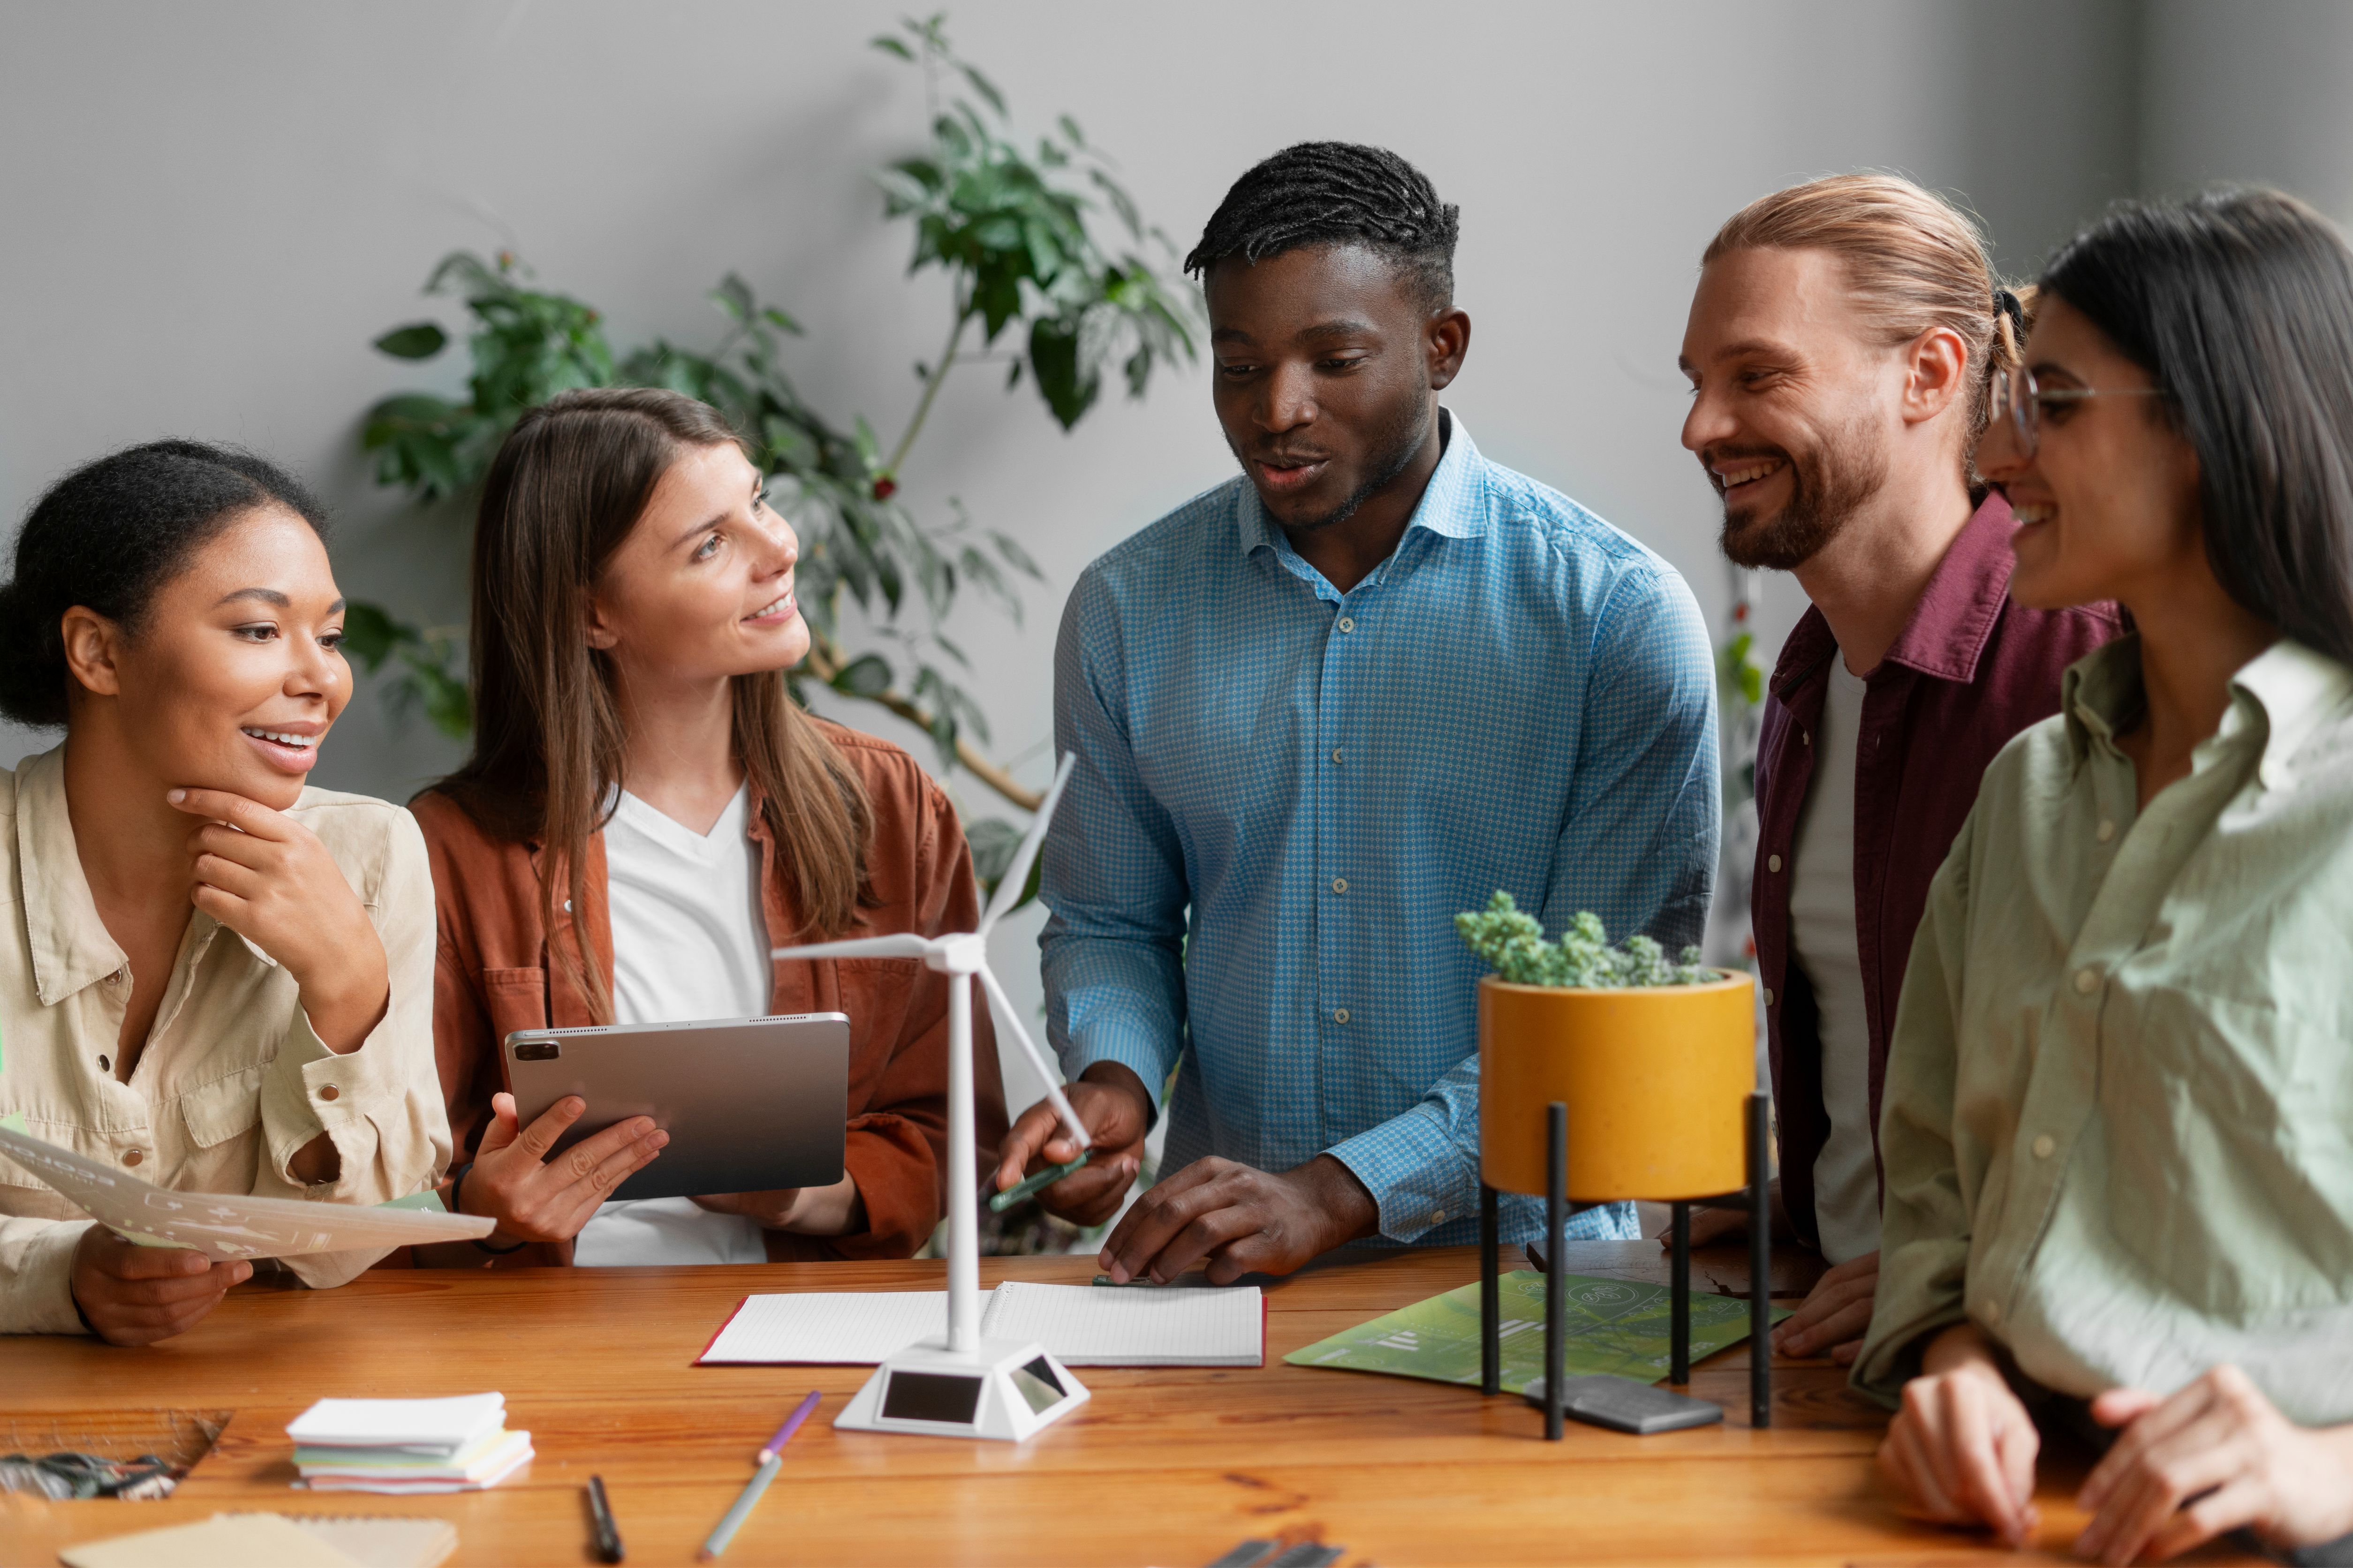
x,y
1951,624
2288,691
70,944
1449,505
1957,612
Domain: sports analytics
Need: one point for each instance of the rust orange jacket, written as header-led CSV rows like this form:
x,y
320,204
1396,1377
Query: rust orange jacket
x,y
492,977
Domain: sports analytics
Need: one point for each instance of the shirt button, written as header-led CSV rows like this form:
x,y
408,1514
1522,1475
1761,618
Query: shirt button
x,y
330,1092
1437,1216
133,1157
1347,623
1806,737
1772,862
1340,1015
105,1066
2088,981
567,906
1336,756
1768,996
2107,830
2045,1146
1339,884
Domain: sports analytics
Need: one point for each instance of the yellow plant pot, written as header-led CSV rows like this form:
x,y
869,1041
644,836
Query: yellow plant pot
x,y
1656,1080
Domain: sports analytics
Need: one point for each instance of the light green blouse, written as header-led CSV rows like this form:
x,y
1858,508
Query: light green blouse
x,y
2117,1125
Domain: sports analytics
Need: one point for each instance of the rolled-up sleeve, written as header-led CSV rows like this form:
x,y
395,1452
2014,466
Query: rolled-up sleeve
x,y
1114,875
381,1104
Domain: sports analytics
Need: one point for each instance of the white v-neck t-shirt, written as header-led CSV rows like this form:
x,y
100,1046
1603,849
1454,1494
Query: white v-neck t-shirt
x,y
689,941
1823,940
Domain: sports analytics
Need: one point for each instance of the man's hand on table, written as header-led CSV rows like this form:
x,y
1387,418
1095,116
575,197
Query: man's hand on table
x,y
133,1295
1834,1314
2218,1455
1962,1449
1117,1110
1832,1318
1244,1221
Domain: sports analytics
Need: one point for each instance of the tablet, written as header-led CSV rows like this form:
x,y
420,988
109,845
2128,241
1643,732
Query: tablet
x,y
750,1104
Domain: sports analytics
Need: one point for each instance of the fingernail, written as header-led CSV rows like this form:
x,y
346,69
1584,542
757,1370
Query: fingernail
x,y
176,795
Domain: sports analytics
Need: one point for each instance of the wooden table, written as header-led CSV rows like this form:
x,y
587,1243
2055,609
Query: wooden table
x,y
1168,1466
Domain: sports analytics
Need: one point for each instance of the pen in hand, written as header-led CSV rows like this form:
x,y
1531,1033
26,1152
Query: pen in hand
x,y
1030,1186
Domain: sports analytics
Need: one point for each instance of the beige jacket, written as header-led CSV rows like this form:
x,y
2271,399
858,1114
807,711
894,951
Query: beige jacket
x,y
233,1080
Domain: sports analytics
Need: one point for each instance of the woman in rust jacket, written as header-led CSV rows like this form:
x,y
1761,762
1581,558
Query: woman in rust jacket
x,y
645,814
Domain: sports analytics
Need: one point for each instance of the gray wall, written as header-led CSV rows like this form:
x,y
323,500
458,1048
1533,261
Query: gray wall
x,y
211,210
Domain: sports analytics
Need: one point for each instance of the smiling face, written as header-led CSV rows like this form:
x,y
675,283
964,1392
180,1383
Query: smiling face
x,y
234,672
1328,366
701,589
2108,506
1794,405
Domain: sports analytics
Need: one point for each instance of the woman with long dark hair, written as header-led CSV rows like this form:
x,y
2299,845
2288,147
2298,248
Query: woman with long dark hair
x,y
2118,1124
645,813
211,975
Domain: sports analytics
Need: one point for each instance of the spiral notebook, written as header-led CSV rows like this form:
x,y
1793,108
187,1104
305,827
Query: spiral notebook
x,y
1079,1324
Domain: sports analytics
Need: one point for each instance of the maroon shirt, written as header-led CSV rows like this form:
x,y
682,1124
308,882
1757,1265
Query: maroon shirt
x,y
1971,669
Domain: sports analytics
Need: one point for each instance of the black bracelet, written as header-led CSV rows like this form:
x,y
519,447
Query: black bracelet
x,y
457,1201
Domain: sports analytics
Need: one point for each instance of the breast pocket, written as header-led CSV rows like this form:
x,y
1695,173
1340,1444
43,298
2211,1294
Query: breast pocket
x,y
222,1122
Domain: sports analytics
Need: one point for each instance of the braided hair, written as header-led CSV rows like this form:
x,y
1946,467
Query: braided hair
x,y
1335,192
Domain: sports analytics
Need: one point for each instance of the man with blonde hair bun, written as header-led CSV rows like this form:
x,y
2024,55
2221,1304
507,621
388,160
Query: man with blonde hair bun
x,y
1841,349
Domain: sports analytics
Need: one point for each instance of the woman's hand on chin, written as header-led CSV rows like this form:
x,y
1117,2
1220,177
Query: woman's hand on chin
x,y
267,879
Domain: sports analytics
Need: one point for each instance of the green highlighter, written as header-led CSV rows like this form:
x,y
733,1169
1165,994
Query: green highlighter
x,y
1030,1186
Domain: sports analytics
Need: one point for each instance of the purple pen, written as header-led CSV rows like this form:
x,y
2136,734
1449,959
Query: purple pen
x,y
774,1444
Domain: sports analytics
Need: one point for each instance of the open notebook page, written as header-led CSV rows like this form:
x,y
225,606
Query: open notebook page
x,y
856,1328
1086,1325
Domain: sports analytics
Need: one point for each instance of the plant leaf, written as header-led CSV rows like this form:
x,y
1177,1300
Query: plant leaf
x,y
419,340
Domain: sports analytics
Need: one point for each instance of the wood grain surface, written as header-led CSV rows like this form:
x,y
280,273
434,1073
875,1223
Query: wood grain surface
x,y
1167,1467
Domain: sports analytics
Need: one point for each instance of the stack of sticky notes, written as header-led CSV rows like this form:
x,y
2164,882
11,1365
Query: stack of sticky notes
x,y
407,1444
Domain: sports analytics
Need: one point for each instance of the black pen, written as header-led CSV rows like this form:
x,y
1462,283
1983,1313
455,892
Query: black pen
x,y
608,1534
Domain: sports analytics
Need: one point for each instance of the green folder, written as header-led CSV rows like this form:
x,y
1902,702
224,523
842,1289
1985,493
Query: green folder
x,y
1614,1326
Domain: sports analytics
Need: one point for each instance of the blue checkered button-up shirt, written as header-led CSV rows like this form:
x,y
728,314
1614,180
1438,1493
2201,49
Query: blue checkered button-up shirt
x,y
1521,696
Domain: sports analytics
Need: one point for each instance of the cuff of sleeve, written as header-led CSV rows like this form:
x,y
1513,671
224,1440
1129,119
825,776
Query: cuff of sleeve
x,y
311,1090
1418,1176
1901,1327
1131,1050
898,1182
38,1299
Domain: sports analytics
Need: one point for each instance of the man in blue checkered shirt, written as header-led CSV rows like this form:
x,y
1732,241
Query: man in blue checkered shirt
x,y
1317,711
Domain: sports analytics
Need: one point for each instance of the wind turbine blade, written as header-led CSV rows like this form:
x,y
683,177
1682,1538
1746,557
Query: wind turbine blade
x,y
898,944
1036,1059
1017,875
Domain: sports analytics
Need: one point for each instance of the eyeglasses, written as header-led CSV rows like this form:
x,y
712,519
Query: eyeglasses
x,y
2019,398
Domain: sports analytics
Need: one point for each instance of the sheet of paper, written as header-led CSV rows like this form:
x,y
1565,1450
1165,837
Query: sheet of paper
x,y
373,1542
1614,1326
225,1225
433,1425
224,1540
1085,1325
850,1328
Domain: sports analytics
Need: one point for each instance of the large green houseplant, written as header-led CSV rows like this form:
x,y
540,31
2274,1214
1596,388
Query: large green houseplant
x,y
1037,289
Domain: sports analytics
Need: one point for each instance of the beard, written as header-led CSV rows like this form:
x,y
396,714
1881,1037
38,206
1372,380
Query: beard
x,y
1392,452
1828,485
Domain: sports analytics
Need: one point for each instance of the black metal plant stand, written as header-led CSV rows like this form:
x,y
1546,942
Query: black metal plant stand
x,y
1557,1208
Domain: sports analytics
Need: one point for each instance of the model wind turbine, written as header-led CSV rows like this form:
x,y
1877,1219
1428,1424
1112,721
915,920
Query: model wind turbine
x,y
961,1386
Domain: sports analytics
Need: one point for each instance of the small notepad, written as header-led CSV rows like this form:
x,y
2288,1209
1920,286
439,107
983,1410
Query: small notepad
x,y
424,1426
1081,1325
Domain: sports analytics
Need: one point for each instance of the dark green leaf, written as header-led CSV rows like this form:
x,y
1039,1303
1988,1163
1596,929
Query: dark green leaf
x,y
891,46
420,339
867,676
1068,388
